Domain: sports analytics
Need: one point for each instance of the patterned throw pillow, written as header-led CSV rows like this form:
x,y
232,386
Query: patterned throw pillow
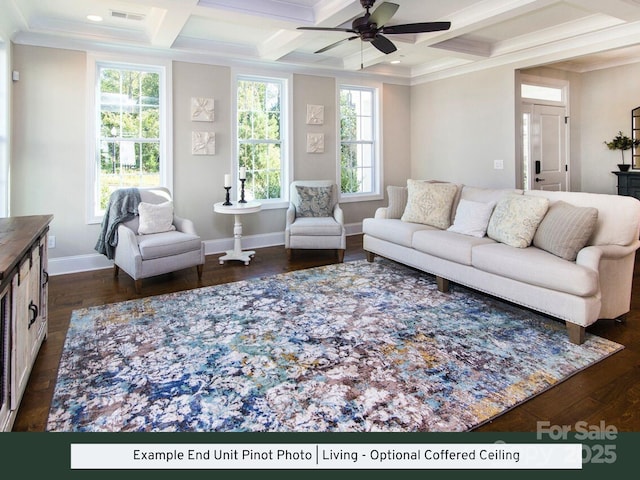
x,y
314,201
565,229
516,218
155,218
429,203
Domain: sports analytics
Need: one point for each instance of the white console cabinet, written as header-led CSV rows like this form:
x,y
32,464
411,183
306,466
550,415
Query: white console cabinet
x,y
23,306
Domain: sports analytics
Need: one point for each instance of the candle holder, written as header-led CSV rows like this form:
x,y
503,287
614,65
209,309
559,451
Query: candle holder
x,y
228,200
242,200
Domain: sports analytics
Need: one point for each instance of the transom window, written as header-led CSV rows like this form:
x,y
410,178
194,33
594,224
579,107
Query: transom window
x,y
359,160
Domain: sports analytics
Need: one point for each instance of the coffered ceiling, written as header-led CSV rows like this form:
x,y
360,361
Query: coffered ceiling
x,y
582,34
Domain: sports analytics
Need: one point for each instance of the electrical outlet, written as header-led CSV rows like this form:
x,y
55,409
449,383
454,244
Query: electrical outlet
x,y
498,164
52,241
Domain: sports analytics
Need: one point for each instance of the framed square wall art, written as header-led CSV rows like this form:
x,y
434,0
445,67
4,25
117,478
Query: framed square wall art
x,y
315,142
203,143
202,109
315,114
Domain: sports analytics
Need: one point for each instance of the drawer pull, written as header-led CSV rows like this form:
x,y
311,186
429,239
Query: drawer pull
x,y
33,308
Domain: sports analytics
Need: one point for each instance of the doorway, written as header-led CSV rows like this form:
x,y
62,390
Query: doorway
x,y
544,134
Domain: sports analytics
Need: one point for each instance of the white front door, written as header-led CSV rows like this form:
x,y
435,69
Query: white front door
x,y
548,159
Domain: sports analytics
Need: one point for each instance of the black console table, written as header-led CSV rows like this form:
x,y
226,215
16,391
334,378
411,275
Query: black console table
x,y
629,183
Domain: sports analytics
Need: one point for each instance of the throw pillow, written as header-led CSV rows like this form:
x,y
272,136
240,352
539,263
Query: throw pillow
x,y
565,229
472,218
397,201
515,219
314,201
429,203
155,218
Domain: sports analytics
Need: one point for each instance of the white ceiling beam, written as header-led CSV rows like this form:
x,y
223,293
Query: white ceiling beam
x,y
166,24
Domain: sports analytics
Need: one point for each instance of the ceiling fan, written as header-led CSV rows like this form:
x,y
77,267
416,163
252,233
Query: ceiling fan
x,y
371,26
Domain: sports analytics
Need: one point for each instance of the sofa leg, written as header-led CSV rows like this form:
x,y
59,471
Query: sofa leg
x,y
340,255
116,270
370,256
443,284
289,253
199,268
576,333
622,318
138,284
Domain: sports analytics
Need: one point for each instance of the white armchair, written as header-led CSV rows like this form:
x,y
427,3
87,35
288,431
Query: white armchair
x,y
314,217
147,255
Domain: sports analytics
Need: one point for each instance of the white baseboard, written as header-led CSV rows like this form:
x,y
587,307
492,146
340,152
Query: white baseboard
x,y
85,263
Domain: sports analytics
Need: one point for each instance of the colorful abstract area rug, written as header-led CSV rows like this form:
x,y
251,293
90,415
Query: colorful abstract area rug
x,y
352,347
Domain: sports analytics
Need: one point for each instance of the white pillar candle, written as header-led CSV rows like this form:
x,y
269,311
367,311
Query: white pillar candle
x,y
243,173
227,180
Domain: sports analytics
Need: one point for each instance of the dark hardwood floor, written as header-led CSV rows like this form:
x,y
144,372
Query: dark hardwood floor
x,y
608,391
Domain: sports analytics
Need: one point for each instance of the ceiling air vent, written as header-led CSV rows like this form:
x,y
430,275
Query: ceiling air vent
x,y
127,15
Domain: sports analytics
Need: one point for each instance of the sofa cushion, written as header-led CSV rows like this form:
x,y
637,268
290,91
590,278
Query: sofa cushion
x,y
537,267
314,201
448,245
515,219
397,201
158,245
472,218
315,226
429,203
392,230
565,229
155,218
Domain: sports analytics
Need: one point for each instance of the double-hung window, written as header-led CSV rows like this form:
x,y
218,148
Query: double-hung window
x,y
130,147
261,132
360,163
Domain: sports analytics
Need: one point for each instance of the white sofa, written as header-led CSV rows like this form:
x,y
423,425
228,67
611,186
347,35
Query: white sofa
x,y
597,284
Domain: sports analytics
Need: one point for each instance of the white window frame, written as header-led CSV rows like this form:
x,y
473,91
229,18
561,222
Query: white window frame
x,y
164,68
286,131
378,170
5,122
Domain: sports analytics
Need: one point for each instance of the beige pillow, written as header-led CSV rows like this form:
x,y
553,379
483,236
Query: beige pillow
x,y
429,203
397,201
515,219
155,218
565,229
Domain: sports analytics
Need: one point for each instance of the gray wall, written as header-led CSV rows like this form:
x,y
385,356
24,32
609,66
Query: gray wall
x,y
49,151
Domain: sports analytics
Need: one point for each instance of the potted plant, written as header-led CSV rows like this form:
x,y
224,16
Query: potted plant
x,y
622,142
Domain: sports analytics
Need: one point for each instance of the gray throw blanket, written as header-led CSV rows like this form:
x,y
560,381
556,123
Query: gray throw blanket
x,y
123,206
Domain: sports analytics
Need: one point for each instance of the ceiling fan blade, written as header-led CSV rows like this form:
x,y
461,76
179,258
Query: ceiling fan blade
x,y
383,44
417,27
336,44
383,13
327,29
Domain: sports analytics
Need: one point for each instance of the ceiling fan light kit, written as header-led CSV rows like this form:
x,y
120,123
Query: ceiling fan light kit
x,y
372,25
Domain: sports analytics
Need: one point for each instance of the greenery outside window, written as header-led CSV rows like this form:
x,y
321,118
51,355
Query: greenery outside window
x,y
360,166
261,106
130,147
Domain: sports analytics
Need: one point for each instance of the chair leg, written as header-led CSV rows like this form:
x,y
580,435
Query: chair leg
x,y
199,268
341,255
116,270
138,285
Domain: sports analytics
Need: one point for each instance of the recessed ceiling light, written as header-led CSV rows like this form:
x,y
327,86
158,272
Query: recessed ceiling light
x,y
94,18
394,61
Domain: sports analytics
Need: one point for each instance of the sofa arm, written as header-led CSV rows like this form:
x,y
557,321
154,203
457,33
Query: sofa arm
x,y
184,225
338,214
291,216
381,212
590,256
